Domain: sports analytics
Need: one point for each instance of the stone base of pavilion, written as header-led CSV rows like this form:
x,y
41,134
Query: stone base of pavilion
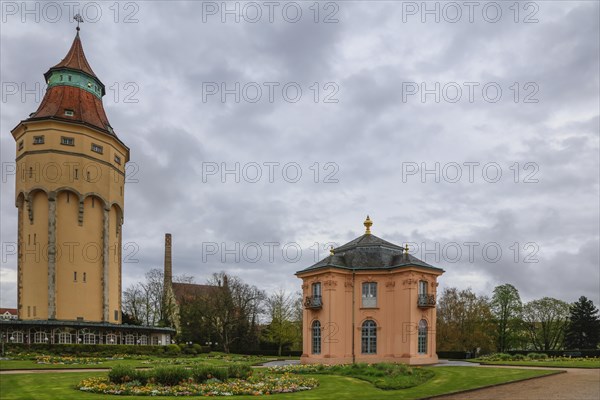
x,y
80,332
370,359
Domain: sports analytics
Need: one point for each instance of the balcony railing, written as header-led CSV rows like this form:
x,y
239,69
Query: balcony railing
x,y
426,300
313,302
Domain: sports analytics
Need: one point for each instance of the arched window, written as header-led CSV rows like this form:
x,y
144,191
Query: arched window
x,y
129,339
111,338
89,338
16,337
64,338
369,337
40,337
316,337
422,337
143,340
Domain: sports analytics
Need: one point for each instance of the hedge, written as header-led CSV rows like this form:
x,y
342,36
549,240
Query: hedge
x,y
559,353
270,353
104,350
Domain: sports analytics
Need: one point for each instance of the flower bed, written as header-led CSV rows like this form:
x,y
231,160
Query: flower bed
x,y
387,376
254,385
55,360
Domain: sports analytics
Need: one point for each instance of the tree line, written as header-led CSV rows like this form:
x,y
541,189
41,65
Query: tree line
x,y
480,324
232,317
241,317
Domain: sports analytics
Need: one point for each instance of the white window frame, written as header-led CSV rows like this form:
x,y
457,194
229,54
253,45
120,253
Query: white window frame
x,y
65,338
369,294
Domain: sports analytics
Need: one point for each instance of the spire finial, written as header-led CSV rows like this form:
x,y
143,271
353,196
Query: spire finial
x,y
78,18
368,223
331,251
406,248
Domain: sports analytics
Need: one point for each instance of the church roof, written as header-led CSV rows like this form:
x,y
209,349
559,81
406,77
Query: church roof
x,y
369,252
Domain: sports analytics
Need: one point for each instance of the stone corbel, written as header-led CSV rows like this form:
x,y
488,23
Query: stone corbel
x,y
29,208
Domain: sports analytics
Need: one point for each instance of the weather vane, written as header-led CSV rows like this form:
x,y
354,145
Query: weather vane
x,y
78,18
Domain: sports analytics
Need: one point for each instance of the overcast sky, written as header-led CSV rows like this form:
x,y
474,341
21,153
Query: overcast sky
x,y
475,138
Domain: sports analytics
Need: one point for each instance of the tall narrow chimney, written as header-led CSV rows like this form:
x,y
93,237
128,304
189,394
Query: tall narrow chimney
x,y
168,262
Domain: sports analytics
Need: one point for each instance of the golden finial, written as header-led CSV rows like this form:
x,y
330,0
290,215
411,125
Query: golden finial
x,y
406,248
331,250
368,223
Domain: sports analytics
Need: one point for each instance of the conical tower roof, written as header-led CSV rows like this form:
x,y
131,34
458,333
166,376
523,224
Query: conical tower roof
x,y
74,92
75,59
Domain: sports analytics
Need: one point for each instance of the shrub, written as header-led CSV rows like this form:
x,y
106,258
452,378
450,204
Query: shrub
x,y
519,357
537,356
221,374
188,350
239,371
121,374
170,376
201,373
199,349
172,349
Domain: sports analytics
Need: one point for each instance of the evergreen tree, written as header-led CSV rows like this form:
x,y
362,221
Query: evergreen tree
x,y
583,329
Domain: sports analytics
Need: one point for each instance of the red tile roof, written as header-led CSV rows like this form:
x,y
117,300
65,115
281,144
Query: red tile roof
x,y
12,311
190,291
87,108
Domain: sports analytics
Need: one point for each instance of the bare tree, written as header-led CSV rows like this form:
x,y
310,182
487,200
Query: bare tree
x,y
144,301
282,330
233,310
545,320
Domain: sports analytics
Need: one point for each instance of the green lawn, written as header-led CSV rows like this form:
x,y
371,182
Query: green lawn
x,y
446,380
213,359
575,363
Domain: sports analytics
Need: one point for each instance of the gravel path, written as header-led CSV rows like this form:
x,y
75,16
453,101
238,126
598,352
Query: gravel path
x,y
576,384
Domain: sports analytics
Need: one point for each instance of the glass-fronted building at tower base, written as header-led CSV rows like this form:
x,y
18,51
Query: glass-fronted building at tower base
x,y
369,301
71,332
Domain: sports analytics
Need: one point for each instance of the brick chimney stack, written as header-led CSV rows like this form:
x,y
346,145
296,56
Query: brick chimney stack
x,y
168,262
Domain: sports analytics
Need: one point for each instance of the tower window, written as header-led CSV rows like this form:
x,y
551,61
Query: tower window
x,y
67,141
34,311
76,173
61,78
38,140
69,113
96,148
69,78
116,315
21,145
118,160
85,277
75,276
